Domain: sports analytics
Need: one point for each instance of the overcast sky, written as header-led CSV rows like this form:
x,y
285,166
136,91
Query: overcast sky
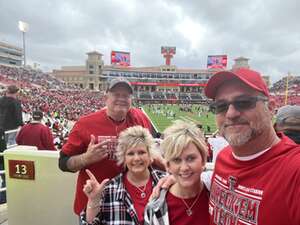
x,y
61,32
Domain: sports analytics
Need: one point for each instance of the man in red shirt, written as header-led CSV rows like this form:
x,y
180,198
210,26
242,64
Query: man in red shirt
x,y
257,176
36,134
91,143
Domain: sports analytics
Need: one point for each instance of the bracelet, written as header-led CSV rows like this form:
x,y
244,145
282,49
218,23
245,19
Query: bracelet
x,y
93,206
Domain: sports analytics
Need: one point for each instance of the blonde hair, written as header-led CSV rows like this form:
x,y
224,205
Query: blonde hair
x,y
132,137
178,136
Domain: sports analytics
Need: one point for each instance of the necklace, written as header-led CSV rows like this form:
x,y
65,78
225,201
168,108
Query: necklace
x,y
143,191
189,211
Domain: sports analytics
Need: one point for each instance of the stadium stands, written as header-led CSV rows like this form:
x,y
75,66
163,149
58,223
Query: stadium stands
x,y
278,90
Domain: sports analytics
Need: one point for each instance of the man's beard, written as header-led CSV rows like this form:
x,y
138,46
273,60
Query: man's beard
x,y
238,139
241,138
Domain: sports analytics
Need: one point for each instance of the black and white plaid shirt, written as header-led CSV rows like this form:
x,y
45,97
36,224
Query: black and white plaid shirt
x,y
116,204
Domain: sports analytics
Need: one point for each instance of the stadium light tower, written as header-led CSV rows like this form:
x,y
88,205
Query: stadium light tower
x,y
23,27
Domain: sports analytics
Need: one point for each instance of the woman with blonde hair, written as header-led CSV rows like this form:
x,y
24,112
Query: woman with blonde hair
x,y
123,199
186,202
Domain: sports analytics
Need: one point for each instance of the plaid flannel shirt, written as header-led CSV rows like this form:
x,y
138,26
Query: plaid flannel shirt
x,y
156,211
116,204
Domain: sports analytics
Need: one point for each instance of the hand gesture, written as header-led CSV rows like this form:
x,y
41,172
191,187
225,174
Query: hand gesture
x,y
96,152
92,188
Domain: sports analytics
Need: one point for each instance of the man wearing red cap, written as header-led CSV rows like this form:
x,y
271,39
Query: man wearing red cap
x,y
257,176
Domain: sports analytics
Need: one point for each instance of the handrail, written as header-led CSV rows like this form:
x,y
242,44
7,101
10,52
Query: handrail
x,y
11,131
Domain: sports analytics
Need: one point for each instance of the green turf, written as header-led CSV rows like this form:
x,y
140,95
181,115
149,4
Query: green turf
x,y
161,121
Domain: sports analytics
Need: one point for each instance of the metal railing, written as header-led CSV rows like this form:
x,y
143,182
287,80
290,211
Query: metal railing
x,y
2,172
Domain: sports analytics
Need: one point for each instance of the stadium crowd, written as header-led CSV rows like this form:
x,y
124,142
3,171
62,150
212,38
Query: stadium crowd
x,y
278,91
59,102
63,103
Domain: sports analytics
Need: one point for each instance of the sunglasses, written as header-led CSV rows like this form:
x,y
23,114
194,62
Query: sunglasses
x,y
240,104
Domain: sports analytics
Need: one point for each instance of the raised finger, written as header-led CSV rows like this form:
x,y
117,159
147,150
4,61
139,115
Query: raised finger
x,y
91,175
104,182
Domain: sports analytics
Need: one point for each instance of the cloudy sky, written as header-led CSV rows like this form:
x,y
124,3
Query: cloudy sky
x,y
61,32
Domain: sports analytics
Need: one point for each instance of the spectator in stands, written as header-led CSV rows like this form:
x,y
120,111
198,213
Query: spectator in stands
x,y
216,144
259,168
36,134
123,200
10,119
10,113
186,202
288,121
93,138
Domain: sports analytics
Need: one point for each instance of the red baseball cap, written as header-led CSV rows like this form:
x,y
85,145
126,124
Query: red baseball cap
x,y
249,77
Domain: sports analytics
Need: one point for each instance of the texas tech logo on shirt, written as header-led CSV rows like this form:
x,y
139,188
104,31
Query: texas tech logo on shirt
x,y
112,142
233,204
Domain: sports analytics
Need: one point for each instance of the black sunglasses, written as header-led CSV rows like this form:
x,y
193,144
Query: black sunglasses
x,y
241,104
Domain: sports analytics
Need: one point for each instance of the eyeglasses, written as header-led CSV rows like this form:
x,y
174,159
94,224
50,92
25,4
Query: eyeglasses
x,y
241,104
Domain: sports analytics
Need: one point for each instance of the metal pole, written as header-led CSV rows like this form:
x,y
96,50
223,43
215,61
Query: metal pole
x,y
24,51
286,89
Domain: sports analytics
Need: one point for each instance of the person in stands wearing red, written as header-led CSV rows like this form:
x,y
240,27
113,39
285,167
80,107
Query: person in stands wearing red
x,y
91,143
186,202
257,176
36,134
122,201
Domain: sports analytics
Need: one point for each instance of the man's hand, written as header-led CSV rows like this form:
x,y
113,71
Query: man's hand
x,y
95,151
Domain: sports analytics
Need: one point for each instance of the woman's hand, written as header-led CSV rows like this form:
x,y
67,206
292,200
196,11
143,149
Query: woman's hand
x,y
92,188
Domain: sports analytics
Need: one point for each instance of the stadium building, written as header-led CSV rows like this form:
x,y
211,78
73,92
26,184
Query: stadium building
x,y
158,84
10,54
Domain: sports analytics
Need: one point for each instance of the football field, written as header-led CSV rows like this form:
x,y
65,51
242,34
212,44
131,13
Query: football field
x,y
162,116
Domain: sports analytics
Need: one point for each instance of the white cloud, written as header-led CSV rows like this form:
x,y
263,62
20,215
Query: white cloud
x,y
61,32
192,31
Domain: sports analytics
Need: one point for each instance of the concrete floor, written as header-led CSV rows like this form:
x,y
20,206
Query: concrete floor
x,y
3,214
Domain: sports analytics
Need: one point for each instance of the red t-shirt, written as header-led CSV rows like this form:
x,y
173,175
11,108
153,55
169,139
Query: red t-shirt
x,y
98,124
177,209
135,194
264,190
36,134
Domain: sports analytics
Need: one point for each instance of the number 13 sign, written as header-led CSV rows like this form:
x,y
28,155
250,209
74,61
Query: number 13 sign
x,y
21,169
